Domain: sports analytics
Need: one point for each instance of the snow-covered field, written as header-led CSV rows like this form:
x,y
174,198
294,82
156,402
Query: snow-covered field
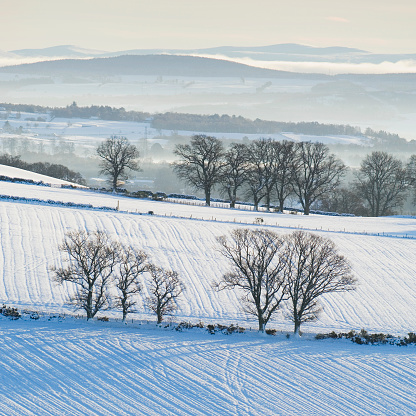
x,y
106,368
12,172
74,368
86,133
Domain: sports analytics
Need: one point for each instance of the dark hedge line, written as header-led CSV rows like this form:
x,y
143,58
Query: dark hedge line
x,y
52,202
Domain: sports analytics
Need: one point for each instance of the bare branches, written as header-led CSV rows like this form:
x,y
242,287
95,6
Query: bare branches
x,y
382,181
91,260
313,268
96,263
164,287
235,171
256,270
200,163
131,264
270,269
117,155
315,172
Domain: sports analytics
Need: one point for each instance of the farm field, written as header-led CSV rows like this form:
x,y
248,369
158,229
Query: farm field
x,y
69,366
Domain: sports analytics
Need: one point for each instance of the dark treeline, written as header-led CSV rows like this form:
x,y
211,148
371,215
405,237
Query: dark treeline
x,y
44,168
101,112
205,123
234,124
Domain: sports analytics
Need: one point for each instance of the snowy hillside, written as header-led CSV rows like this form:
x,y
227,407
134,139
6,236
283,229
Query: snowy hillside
x,y
182,237
12,172
74,368
68,366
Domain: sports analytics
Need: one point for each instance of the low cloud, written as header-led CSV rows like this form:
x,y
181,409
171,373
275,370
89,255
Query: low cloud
x,y
7,61
328,68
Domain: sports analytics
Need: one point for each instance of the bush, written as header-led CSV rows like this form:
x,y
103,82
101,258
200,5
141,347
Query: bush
x,y
227,330
364,338
9,312
188,325
103,319
411,339
142,194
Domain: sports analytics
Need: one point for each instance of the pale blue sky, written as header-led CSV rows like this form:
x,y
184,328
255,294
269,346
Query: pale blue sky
x,y
376,25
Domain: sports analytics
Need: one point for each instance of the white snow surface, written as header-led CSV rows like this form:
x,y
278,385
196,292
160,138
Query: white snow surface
x,y
50,367
13,172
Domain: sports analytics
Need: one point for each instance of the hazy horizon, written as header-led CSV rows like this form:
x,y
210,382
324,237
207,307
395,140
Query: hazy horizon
x,y
374,26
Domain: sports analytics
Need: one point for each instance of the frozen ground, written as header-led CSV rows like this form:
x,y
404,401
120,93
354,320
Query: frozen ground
x,y
74,368
12,172
99,368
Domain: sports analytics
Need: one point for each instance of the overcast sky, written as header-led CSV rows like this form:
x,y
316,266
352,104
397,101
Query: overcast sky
x,y
382,26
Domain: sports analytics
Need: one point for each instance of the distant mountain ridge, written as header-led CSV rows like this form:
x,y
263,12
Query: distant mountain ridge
x,y
67,51
291,52
160,65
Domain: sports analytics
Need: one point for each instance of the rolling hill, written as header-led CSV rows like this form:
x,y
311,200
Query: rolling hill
x,y
163,65
61,365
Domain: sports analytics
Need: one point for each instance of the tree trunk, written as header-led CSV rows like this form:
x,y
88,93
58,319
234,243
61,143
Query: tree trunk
x,y
124,313
268,201
297,326
281,203
306,207
233,198
90,314
260,319
208,197
256,204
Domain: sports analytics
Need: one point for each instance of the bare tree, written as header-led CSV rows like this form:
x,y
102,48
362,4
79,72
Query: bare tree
x,y
257,269
344,200
382,181
164,288
315,173
313,268
269,167
200,163
235,171
259,174
117,156
91,259
284,154
131,264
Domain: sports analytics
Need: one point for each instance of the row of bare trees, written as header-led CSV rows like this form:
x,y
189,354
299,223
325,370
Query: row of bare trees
x,y
274,170
381,186
269,269
263,169
266,268
95,264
